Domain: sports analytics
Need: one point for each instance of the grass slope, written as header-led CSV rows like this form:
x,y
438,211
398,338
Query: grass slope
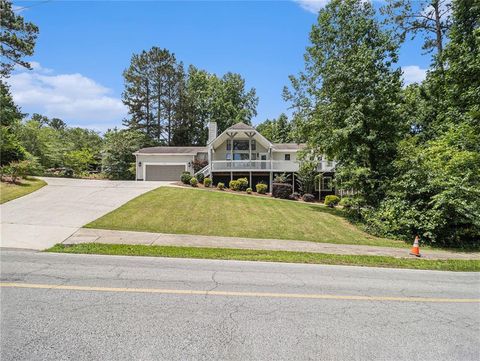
x,y
191,211
10,191
269,256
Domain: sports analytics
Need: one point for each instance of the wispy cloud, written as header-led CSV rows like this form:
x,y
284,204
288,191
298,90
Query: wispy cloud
x,y
413,74
74,98
312,6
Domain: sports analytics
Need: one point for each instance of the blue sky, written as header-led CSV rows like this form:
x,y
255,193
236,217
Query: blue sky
x,y
84,46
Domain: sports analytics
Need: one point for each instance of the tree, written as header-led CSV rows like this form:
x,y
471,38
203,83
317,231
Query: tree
x,y
231,102
348,94
153,84
278,130
428,17
436,189
117,154
10,147
17,39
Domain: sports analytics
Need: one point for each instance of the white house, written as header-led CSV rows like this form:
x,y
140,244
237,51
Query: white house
x,y
240,151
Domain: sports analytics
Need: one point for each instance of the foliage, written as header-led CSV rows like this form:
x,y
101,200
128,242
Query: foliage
x,y
347,95
153,84
249,190
277,130
17,39
193,182
220,186
295,196
234,185
332,201
436,189
345,202
19,169
11,148
306,176
207,182
173,107
200,177
281,178
199,164
307,197
242,184
117,154
79,160
261,188
185,177
281,190
431,18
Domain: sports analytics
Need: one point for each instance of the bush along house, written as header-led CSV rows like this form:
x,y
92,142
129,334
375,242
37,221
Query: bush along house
x,y
238,152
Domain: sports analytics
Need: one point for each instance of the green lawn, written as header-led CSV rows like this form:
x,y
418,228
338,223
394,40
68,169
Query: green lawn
x,y
193,211
268,256
10,191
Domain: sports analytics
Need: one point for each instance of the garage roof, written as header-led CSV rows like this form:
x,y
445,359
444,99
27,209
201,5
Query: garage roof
x,y
172,150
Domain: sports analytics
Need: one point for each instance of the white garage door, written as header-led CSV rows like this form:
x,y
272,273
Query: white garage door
x,y
163,172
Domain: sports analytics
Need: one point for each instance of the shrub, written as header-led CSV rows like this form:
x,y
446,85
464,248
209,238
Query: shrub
x,y
281,178
200,177
242,184
346,202
193,182
207,182
221,186
281,190
185,177
261,188
249,190
294,196
331,201
307,197
20,169
234,185
306,176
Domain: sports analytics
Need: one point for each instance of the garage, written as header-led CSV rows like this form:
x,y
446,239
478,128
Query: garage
x,y
163,172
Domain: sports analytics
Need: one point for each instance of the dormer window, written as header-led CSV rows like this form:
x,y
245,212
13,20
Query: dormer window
x,y
287,156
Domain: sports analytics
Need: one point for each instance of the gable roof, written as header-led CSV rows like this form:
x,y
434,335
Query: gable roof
x,y
171,150
241,126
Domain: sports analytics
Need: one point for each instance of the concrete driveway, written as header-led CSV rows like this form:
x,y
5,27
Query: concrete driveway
x,y
50,215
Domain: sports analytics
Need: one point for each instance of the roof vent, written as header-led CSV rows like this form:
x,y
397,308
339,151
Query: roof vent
x,y
212,131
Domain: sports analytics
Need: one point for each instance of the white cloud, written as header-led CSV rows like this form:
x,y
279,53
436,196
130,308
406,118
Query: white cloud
x,y
413,74
74,98
312,6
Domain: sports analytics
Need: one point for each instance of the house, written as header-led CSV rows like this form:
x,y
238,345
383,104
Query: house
x,y
240,151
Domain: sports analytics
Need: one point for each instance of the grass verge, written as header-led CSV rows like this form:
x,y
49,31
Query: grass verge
x,y
10,191
268,256
192,211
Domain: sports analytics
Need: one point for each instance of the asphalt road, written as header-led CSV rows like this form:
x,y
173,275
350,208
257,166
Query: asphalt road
x,y
127,308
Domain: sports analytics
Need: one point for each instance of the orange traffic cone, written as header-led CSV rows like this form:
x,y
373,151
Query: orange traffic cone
x,y
415,251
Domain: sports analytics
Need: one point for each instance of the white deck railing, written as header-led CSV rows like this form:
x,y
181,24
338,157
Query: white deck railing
x,y
265,165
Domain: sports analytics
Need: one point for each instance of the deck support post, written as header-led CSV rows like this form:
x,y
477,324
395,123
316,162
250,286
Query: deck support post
x,y
250,184
293,182
271,181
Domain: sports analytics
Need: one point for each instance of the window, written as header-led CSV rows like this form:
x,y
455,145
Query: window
x,y
327,183
240,145
229,144
254,144
287,156
240,156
